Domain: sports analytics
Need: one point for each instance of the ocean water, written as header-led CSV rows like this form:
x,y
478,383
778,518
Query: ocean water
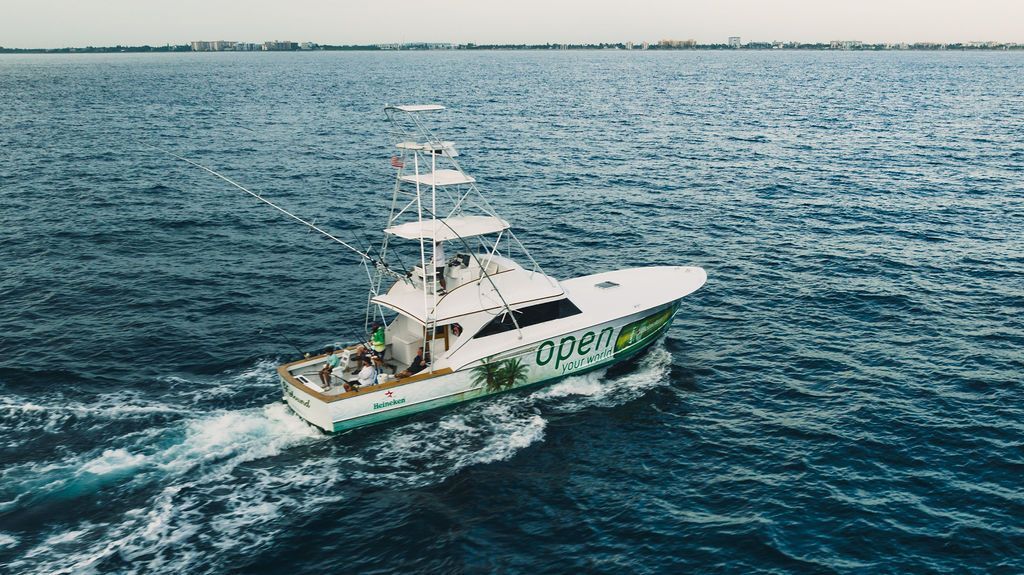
x,y
843,396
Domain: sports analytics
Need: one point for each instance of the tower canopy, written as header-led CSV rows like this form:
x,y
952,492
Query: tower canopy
x,y
417,108
449,228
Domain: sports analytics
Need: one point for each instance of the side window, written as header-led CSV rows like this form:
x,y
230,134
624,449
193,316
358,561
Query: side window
x,y
530,315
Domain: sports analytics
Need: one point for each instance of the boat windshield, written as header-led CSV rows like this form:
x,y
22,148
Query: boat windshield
x,y
530,315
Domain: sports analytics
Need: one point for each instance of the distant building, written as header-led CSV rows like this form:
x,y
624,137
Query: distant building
x,y
645,45
214,46
629,45
419,46
308,46
845,44
734,42
677,43
429,46
278,45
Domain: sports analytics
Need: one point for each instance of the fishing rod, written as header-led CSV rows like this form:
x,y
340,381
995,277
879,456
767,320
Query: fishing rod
x,y
378,262
362,238
311,225
280,335
405,271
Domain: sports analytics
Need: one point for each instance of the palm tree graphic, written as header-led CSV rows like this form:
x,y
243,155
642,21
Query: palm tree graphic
x,y
500,375
513,372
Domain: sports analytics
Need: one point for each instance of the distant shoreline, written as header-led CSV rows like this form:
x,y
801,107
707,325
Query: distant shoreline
x,y
752,46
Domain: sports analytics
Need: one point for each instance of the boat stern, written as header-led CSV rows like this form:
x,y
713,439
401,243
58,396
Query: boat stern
x,y
305,403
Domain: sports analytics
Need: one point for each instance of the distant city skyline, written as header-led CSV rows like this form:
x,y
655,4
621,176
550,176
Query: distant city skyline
x,y
59,23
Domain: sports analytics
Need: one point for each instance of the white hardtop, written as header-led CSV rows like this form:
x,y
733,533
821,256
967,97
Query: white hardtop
x,y
508,282
438,178
452,228
417,108
435,147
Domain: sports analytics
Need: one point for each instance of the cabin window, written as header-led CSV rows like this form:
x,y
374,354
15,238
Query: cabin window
x,y
530,315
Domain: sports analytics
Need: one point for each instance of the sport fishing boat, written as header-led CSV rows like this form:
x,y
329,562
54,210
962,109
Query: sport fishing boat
x,y
489,318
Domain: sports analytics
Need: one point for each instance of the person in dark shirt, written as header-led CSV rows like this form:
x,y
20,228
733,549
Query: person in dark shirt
x,y
417,365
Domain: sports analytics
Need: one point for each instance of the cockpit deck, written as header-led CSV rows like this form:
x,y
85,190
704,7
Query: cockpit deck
x,y
305,374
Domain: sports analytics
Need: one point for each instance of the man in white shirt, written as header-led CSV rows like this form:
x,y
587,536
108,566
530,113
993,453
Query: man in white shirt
x,y
439,263
367,376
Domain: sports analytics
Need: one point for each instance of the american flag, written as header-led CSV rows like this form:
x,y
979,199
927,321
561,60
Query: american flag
x,y
397,162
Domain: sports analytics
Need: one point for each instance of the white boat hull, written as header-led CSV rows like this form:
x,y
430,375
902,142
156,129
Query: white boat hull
x,y
535,363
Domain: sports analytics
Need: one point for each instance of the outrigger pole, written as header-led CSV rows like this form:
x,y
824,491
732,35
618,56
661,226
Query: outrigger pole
x,y
365,256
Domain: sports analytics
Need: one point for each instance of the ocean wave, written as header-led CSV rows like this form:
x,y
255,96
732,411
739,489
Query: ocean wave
x,y
197,464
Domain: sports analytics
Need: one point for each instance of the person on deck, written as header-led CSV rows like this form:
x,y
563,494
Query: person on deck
x,y
362,350
439,264
377,339
333,361
415,367
367,376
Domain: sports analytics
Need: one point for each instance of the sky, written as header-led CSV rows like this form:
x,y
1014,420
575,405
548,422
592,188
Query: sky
x,y
61,23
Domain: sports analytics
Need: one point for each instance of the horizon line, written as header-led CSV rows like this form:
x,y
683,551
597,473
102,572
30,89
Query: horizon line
x,y
664,44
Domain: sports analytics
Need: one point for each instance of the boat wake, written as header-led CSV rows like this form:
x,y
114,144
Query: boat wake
x,y
596,389
214,486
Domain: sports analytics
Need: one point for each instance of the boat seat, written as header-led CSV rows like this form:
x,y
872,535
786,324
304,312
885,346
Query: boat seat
x,y
315,386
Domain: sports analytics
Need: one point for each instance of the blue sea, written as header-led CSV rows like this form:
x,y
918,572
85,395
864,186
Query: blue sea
x,y
844,395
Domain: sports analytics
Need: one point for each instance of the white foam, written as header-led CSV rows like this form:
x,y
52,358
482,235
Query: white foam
x,y
66,537
109,406
219,441
56,410
263,371
8,540
422,453
596,389
209,448
518,438
113,461
239,436
586,384
137,525
194,462
49,411
186,392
